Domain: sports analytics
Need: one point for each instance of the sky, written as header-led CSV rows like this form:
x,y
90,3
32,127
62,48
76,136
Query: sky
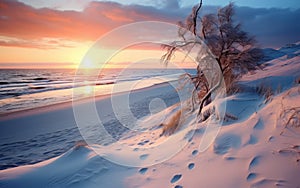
x,y
58,33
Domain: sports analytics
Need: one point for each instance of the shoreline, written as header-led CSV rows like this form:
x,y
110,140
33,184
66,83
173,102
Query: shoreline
x,y
50,131
66,104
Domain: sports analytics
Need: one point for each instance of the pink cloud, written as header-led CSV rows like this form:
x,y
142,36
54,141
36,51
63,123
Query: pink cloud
x,y
24,22
28,25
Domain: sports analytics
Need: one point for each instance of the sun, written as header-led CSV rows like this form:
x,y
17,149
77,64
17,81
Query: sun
x,y
87,64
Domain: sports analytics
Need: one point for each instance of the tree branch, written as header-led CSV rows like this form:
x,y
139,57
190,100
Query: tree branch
x,y
195,18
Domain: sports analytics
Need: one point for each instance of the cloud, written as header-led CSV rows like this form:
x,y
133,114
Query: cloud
x,y
25,22
59,4
27,25
36,65
272,27
168,4
43,43
172,4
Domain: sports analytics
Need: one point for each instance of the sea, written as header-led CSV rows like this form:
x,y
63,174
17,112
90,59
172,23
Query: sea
x,y
23,89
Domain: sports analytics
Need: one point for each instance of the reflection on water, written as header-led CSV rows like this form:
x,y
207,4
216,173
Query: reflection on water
x,y
25,89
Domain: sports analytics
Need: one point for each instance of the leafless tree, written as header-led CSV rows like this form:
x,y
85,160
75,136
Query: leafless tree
x,y
233,49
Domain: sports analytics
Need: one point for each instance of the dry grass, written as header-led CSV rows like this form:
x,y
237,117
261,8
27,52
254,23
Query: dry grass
x,y
234,89
291,116
229,117
172,124
266,92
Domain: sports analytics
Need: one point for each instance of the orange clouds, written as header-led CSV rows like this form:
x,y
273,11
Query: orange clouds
x,y
23,22
30,27
30,35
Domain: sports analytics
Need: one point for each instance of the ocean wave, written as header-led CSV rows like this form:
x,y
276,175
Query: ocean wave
x,y
32,87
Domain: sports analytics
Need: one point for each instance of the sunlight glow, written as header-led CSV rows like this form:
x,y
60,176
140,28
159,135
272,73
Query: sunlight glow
x,y
88,90
87,64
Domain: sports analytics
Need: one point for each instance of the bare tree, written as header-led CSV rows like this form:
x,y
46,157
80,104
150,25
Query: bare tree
x,y
233,49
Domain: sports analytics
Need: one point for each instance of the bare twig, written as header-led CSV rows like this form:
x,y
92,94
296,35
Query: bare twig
x,y
195,18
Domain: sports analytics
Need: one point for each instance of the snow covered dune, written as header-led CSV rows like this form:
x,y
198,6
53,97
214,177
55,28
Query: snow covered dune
x,y
260,147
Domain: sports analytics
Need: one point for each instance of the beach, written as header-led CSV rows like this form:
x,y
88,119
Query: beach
x,y
52,130
257,148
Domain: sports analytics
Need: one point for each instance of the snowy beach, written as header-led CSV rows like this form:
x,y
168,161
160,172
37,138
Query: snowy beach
x,y
259,147
37,134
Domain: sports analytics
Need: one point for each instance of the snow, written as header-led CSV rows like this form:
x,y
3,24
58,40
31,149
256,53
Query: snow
x,y
256,150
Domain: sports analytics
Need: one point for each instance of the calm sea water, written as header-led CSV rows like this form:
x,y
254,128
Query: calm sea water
x,y
24,89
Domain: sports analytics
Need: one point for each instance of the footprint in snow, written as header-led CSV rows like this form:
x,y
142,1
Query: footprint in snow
x,y
191,166
255,161
271,138
178,186
195,152
144,156
143,170
251,176
175,178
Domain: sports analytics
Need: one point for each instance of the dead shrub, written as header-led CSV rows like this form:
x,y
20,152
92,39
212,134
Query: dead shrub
x,y
172,124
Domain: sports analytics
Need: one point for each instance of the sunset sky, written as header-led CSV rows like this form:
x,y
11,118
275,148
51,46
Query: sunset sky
x,y
58,33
